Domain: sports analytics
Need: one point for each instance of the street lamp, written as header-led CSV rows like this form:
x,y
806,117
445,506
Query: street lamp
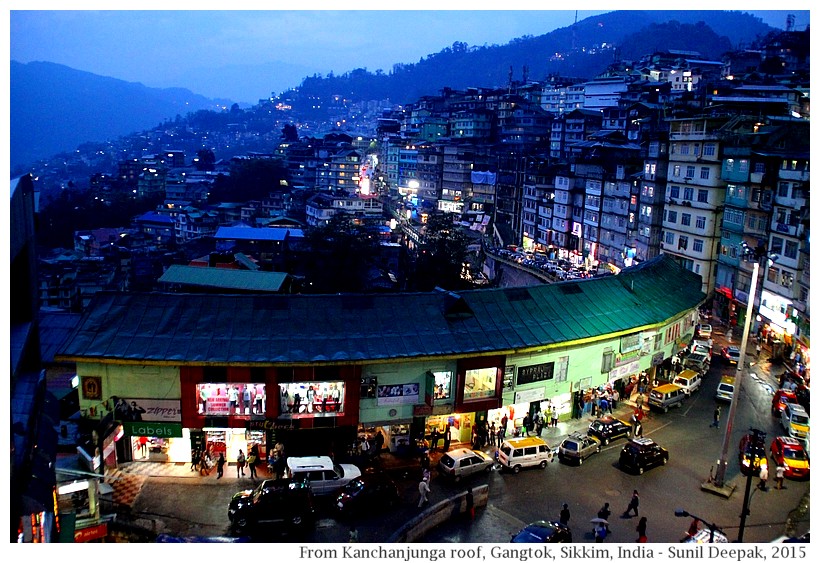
x,y
720,474
681,513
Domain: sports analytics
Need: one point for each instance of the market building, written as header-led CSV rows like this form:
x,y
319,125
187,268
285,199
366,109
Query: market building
x,y
229,372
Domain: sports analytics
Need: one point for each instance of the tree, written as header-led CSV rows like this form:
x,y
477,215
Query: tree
x,y
441,258
205,160
343,255
290,133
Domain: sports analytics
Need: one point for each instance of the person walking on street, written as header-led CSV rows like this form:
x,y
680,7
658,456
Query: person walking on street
x,y
633,504
240,464
600,532
470,506
604,514
220,465
764,476
194,459
554,414
641,529
252,459
639,401
564,515
424,490
716,418
780,473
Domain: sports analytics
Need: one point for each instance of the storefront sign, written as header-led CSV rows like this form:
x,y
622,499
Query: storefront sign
x,y
153,410
623,371
91,533
538,372
530,395
153,429
630,343
401,394
270,424
657,359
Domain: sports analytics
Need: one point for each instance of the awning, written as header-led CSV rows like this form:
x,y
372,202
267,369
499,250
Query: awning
x,y
724,291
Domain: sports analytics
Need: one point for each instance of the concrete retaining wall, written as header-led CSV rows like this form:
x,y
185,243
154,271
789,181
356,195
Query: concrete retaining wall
x,y
441,512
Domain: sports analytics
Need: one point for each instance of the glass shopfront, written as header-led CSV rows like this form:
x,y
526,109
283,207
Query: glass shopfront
x,y
231,399
311,398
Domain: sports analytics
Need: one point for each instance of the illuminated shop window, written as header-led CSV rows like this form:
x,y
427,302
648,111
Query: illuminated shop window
x,y
312,398
443,379
480,383
230,399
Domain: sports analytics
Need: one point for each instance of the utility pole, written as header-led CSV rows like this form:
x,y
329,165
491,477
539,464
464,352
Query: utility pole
x,y
720,474
758,441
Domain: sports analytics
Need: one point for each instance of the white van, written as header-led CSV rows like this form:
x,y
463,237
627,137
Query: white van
x,y
689,379
726,388
516,453
795,421
324,476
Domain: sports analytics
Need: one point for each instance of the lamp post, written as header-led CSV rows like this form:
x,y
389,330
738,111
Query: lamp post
x,y
681,513
720,474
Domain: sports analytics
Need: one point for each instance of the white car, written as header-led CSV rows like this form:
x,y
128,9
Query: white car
x,y
463,462
324,476
703,331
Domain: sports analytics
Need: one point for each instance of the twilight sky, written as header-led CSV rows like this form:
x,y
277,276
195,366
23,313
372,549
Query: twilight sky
x,y
164,44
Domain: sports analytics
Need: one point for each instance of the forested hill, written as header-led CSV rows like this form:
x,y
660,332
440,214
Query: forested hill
x,y
583,50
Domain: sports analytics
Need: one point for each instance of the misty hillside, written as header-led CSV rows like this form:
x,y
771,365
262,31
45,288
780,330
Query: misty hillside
x,y
54,108
574,51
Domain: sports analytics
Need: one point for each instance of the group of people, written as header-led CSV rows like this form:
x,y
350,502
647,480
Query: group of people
x,y
601,529
598,401
203,461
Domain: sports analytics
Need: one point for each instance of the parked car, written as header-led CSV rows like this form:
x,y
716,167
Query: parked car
x,y
370,492
726,388
698,361
731,354
544,531
703,345
689,379
704,331
607,428
576,448
791,454
639,454
324,476
463,462
795,421
517,453
780,399
750,454
285,503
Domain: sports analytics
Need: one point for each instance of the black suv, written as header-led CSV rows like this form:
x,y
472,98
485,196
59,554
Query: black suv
x,y
608,428
286,503
639,454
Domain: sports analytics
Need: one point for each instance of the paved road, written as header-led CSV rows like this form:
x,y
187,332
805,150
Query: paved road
x,y
182,503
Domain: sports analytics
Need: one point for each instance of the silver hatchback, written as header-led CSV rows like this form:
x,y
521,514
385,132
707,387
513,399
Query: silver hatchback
x,y
577,447
463,462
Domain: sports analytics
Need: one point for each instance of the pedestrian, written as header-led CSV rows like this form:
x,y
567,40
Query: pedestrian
x,y
194,459
600,532
757,349
252,459
502,430
378,443
764,476
143,440
240,464
447,438
633,504
525,424
554,416
639,401
563,517
470,505
641,529
603,405
424,490
716,418
780,473
205,463
604,514
353,535
220,465
434,436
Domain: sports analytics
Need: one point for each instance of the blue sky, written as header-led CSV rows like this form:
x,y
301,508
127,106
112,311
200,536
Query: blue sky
x,y
164,44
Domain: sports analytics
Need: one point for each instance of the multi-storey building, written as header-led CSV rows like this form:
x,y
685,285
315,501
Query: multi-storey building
x,y
695,194
429,170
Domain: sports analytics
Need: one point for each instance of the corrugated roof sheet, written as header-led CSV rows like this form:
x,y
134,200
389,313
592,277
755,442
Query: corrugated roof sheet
x,y
224,278
293,329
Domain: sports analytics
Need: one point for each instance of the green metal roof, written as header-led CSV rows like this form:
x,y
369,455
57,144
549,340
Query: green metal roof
x,y
224,278
278,329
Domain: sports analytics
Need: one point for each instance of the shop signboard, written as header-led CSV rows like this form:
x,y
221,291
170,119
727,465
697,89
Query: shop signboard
x,y
147,410
91,533
400,394
530,395
624,370
153,429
